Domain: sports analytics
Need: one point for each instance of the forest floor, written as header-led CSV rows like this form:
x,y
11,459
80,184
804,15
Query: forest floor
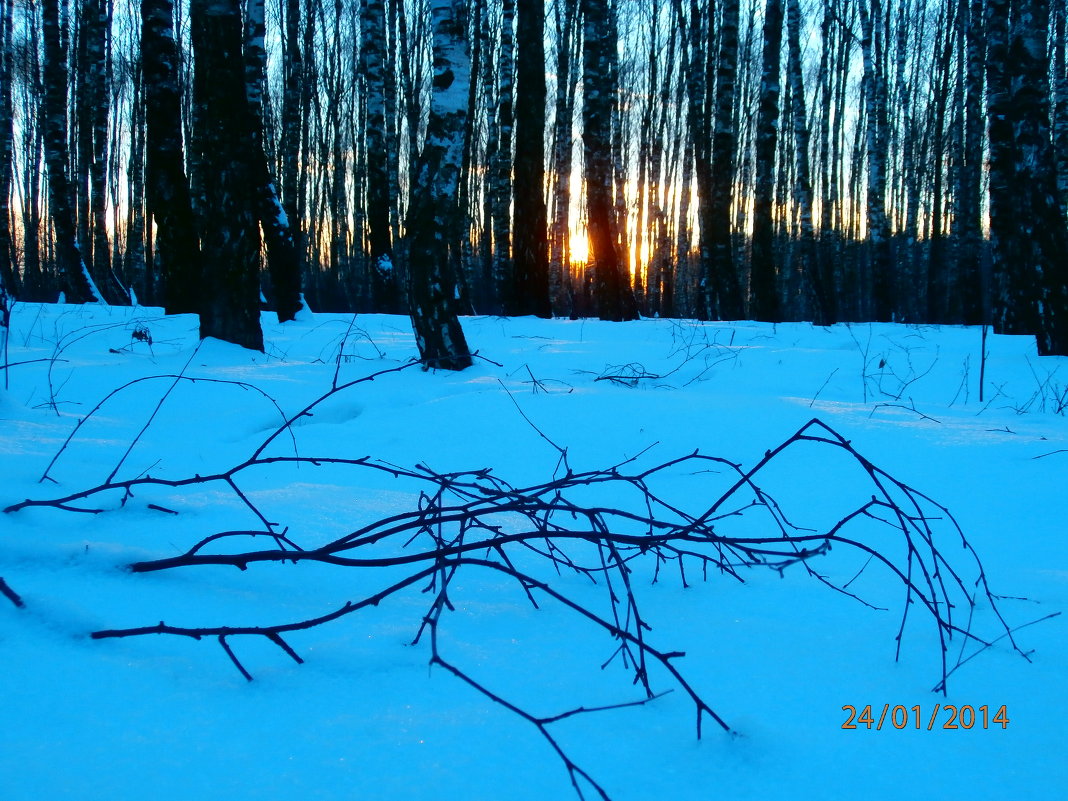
x,y
779,655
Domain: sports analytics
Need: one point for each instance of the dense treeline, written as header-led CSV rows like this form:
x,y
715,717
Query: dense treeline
x,y
823,160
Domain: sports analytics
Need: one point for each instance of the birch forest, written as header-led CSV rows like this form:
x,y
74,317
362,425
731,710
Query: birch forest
x,y
819,160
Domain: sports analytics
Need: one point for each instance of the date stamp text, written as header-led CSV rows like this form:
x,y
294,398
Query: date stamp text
x,y
943,716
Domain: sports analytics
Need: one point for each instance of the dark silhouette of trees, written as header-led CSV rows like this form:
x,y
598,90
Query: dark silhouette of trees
x,y
771,158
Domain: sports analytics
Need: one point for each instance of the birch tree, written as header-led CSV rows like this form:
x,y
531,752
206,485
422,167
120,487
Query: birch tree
x,y
432,299
283,261
77,286
813,269
500,167
1027,225
871,44
166,184
379,233
723,294
969,216
764,299
92,107
8,280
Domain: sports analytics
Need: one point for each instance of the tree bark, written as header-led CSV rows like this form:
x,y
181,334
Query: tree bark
x,y
969,222
283,259
871,17
432,284
812,268
530,247
8,280
384,295
561,294
500,167
612,293
230,307
723,293
1027,225
77,286
177,251
764,297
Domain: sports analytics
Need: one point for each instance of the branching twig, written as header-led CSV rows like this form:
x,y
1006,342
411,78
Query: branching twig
x,y
477,522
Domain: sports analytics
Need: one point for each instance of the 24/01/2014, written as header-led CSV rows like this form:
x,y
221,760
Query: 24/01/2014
x,y
903,717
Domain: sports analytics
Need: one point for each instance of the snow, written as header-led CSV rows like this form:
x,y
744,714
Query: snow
x,y
365,716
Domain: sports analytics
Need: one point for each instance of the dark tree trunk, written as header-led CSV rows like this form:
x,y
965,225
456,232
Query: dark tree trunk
x,y
8,281
136,266
230,309
291,123
611,288
34,285
1027,225
384,294
764,297
529,242
1060,94
813,269
432,283
177,250
969,222
500,166
94,105
283,261
871,16
723,292
74,277
938,271
561,293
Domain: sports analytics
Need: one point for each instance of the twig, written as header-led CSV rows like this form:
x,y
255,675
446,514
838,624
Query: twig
x,y
11,595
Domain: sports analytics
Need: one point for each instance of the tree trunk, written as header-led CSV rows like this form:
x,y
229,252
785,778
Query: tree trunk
x,y
1060,93
77,286
871,44
938,278
969,221
500,167
723,293
292,121
529,241
764,297
384,294
611,288
432,283
8,281
1027,225
95,102
230,309
283,260
814,271
177,251
34,285
561,294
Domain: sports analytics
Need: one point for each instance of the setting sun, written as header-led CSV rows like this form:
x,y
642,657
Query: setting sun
x,y
579,243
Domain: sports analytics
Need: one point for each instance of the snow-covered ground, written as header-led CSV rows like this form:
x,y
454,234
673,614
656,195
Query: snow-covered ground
x,y
365,717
